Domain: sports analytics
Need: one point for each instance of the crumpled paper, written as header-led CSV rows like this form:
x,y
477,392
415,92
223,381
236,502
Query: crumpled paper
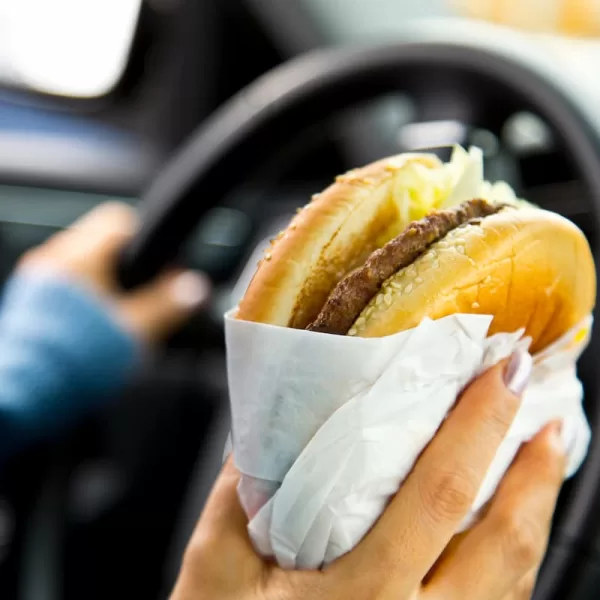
x,y
325,428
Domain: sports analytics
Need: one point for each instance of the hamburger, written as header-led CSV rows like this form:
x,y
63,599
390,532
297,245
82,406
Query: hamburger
x,y
411,237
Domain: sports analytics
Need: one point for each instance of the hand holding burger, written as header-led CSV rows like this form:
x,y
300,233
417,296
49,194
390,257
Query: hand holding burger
x,y
384,247
408,554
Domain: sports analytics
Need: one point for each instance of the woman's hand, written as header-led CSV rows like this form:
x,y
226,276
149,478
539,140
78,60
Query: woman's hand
x,y
412,551
87,252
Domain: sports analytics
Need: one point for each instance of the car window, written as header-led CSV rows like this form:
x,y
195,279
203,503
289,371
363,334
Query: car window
x,y
75,48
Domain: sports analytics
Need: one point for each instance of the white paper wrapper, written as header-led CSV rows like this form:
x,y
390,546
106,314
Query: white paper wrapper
x,y
326,428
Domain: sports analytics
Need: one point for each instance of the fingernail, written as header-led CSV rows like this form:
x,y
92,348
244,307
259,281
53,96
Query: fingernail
x,y
190,289
518,371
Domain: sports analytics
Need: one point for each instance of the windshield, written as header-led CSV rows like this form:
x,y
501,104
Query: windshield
x,y
354,19
567,29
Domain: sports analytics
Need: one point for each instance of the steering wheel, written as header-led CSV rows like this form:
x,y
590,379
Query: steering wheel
x,y
498,73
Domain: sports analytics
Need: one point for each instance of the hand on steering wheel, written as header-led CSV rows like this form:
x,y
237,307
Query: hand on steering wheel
x,y
87,252
412,552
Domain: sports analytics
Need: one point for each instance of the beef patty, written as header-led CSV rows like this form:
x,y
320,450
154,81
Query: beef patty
x,y
352,294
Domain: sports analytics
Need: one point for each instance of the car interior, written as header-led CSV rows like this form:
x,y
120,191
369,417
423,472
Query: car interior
x,y
241,110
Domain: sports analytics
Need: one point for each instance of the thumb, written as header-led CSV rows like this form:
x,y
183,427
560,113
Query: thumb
x,y
223,526
156,309
223,511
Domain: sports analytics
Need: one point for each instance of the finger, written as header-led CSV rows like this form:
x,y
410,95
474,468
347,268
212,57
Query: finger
x,y
88,249
121,218
510,541
223,508
164,304
437,495
107,225
102,233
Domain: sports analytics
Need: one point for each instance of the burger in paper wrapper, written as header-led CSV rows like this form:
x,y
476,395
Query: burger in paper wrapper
x,y
366,317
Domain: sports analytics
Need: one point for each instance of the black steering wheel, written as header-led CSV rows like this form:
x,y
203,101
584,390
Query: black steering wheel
x,y
504,77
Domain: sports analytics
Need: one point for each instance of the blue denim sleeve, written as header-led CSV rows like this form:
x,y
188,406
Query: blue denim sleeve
x,y
61,355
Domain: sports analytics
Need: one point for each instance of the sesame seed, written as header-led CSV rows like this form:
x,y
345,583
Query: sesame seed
x,y
436,264
396,285
475,305
388,299
419,280
461,250
408,289
352,331
379,300
360,322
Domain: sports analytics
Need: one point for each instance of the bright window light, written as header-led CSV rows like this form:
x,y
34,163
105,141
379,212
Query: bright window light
x,y
66,47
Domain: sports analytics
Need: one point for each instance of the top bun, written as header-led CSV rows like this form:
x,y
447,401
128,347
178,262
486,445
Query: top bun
x,y
329,237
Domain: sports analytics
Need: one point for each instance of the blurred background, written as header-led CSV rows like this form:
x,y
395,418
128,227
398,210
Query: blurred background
x,y
95,96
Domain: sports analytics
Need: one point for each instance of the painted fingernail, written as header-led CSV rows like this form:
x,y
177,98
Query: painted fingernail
x,y
190,289
518,371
